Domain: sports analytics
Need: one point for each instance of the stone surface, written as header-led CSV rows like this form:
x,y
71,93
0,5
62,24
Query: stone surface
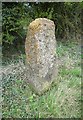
x,y
40,48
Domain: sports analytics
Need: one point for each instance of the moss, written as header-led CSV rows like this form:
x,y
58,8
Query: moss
x,y
35,26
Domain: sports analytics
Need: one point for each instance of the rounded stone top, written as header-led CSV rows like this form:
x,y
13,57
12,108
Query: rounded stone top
x,y
43,19
37,23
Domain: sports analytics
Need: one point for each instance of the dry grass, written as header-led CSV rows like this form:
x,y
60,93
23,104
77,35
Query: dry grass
x,y
61,101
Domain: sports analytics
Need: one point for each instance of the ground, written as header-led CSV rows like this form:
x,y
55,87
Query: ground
x,y
62,100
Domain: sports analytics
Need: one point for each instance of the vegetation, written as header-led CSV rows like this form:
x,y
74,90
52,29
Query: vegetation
x,y
17,16
63,100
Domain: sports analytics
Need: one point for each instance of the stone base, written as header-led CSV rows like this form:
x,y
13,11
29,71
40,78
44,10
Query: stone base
x,y
40,87
41,84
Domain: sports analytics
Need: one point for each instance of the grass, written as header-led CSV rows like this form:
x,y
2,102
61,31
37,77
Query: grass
x,y
62,100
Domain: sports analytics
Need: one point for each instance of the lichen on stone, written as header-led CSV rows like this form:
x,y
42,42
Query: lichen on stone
x,y
40,48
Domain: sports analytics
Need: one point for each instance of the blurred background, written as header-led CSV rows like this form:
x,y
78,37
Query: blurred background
x,y
16,16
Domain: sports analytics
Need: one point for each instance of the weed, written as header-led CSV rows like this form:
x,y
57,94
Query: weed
x,y
61,101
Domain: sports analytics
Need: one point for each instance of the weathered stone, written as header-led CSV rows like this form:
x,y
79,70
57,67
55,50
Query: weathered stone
x,y
40,48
